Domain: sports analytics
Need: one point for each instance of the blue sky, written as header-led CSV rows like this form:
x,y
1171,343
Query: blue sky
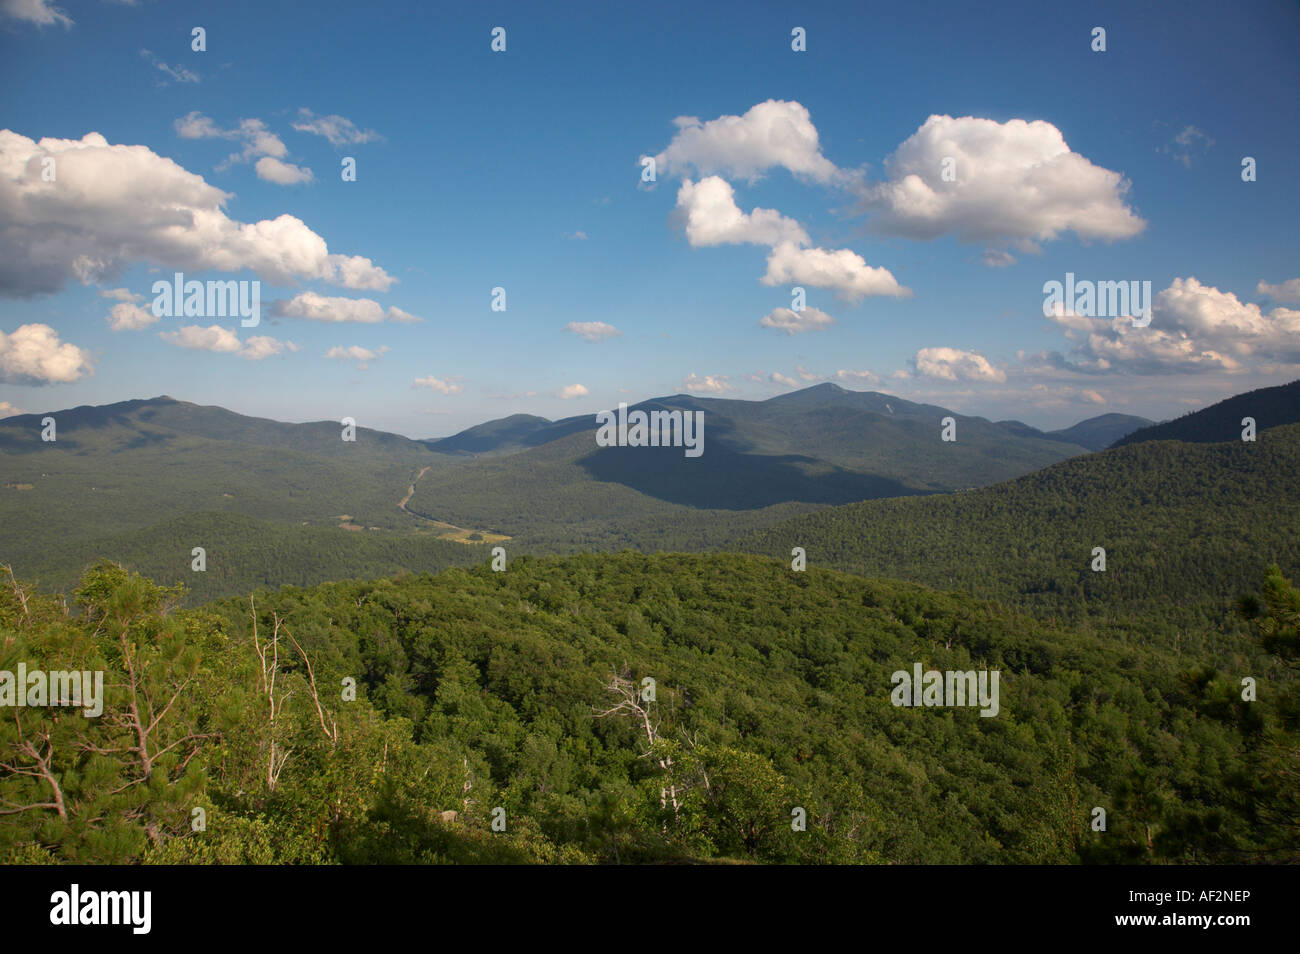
x,y
520,169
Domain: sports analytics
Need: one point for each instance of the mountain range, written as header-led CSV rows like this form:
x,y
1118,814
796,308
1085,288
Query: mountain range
x,y
146,481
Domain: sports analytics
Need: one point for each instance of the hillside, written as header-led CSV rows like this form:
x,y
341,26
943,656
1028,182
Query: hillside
x,y
484,692
132,479
822,445
1097,433
1270,407
1180,523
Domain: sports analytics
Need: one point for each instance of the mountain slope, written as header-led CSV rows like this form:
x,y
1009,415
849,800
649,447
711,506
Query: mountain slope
x,y
822,445
1193,523
1097,433
1270,407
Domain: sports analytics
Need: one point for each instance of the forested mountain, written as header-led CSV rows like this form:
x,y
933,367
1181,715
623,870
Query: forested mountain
x,y
163,423
1180,524
520,697
821,445
147,481
1100,432
1269,407
866,431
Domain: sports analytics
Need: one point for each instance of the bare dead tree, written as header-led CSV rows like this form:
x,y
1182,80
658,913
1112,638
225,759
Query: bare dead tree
x,y
628,703
38,765
21,593
332,730
269,670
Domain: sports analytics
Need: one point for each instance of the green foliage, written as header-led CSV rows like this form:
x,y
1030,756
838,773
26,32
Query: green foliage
x,y
522,691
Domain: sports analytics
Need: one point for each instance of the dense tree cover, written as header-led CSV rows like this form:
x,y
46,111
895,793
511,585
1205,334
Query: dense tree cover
x,y
242,554
122,474
1185,529
522,691
1269,407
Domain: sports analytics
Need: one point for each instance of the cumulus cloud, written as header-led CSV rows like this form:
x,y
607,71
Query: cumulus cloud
x,y
778,378
1287,292
953,364
129,317
436,384
710,215
271,169
362,356
34,355
592,330
1194,328
1015,181
122,294
796,322
315,307
9,410
997,258
179,73
772,134
263,346
570,391
256,138
221,340
869,378
337,129
43,13
708,384
114,205
842,270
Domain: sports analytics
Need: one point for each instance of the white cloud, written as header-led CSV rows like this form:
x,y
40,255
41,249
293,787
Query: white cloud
x,y
868,378
779,378
178,73
1288,292
316,307
337,129
1015,181
795,322
772,134
711,217
997,258
114,205
34,355
842,270
271,169
1194,328
709,384
570,391
257,139
1186,143
578,236
129,317
262,346
592,330
9,410
122,294
953,364
434,384
221,340
362,356
41,12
